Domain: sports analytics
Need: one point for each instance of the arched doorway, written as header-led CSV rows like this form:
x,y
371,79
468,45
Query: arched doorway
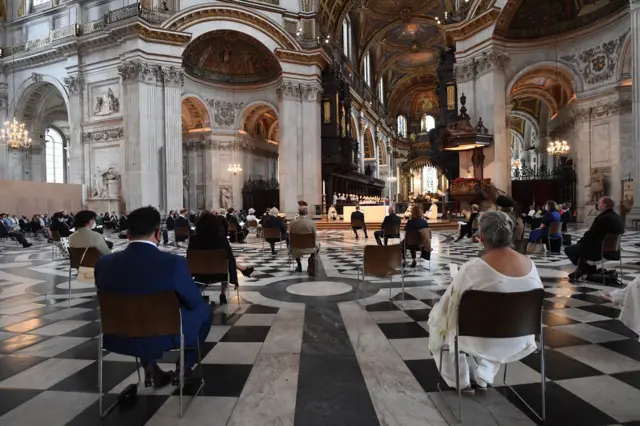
x,y
196,128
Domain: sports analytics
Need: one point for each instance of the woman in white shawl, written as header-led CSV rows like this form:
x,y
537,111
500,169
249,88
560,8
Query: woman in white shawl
x,y
628,299
500,269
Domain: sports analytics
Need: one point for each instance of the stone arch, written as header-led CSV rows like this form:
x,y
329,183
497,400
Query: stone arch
x,y
563,69
31,86
195,114
528,117
202,101
626,60
252,111
355,131
382,160
368,145
205,18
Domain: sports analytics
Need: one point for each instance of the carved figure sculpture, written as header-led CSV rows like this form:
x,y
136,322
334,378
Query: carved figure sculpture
x,y
99,187
225,198
99,103
596,184
114,103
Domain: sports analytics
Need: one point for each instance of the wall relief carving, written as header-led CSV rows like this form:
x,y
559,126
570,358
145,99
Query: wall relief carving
x,y
106,104
4,95
598,64
224,113
104,135
75,84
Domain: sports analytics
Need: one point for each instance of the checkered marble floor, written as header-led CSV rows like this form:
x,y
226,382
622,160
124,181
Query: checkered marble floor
x,y
303,352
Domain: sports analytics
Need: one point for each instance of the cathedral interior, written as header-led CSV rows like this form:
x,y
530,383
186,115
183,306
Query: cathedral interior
x,y
342,105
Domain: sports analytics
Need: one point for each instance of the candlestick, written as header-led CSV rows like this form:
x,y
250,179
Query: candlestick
x,y
323,190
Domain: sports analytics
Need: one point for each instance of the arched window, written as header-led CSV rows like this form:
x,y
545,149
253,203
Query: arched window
x,y
402,126
346,37
381,90
367,68
427,123
55,156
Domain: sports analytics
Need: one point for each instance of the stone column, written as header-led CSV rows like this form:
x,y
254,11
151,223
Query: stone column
x,y
635,97
141,182
311,145
173,79
4,106
211,189
290,94
75,87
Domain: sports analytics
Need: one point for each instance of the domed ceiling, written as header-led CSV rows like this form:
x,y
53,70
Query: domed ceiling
x,y
404,42
543,18
230,57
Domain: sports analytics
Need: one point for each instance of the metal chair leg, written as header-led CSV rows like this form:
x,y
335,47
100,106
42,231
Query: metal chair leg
x,y
100,373
181,370
69,284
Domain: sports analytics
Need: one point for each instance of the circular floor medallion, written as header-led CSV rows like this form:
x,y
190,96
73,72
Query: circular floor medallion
x,y
319,288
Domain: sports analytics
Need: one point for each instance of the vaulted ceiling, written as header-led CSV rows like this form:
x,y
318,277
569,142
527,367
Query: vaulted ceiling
x,y
404,41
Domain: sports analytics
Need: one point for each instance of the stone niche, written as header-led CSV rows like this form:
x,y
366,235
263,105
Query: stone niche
x,y
104,100
104,163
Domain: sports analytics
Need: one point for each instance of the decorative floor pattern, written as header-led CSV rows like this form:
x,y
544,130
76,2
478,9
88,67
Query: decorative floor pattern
x,y
303,352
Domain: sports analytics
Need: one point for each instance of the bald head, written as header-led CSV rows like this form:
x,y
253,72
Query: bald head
x,y
391,210
606,203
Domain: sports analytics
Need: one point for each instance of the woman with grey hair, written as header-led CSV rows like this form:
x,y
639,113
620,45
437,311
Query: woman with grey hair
x,y
500,269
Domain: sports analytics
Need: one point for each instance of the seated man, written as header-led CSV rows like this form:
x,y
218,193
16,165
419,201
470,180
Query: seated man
x,y
242,231
589,247
466,229
304,225
358,215
7,231
85,237
58,224
123,223
273,220
182,222
390,221
416,223
143,269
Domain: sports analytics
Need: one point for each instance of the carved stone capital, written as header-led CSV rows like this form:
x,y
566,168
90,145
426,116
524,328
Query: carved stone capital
x,y
172,76
312,91
138,71
490,60
4,95
36,77
75,84
289,89
464,71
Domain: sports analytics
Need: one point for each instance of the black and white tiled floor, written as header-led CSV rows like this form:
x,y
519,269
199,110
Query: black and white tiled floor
x,y
302,352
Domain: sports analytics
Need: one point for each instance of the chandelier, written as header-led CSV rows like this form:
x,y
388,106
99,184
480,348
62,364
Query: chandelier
x,y
392,179
234,168
14,135
558,148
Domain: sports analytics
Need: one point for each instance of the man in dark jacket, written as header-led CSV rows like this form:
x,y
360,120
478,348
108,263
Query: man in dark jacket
x,y
273,220
358,215
589,247
182,222
392,221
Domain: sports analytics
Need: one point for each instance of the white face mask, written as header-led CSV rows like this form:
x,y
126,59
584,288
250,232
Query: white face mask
x,y
93,225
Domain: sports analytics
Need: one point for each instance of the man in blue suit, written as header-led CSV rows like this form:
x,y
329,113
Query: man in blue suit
x,y
143,269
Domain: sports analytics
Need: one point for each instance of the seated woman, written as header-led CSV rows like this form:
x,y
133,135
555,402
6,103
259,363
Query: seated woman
x,y
628,299
35,224
85,236
210,235
415,223
467,228
251,217
58,224
273,220
550,216
500,269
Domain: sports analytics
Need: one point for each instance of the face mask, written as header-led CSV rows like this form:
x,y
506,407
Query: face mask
x,y
93,225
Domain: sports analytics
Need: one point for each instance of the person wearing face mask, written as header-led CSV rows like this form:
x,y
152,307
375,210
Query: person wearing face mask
x,y
58,224
85,236
589,247
142,269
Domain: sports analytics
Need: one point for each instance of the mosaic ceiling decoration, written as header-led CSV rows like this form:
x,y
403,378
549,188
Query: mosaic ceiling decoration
x,y
230,57
543,18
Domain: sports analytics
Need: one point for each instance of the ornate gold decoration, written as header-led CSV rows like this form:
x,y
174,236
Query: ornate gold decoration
x,y
155,35
228,13
314,57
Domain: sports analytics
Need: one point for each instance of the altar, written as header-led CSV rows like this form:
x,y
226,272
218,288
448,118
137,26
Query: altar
x,y
372,214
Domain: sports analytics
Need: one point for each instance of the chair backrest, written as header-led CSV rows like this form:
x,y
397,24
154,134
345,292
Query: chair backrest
x,y
182,231
302,241
357,223
391,229
207,262
55,235
271,233
89,259
413,238
382,261
504,314
233,227
137,316
611,243
555,228
475,224
521,246
252,224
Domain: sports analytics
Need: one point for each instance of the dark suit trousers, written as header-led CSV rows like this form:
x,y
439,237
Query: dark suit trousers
x,y
364,228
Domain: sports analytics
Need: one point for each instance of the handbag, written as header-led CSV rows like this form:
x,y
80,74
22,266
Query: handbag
x,y
536,248
86,273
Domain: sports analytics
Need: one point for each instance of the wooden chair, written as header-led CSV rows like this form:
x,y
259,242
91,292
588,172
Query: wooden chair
x,y
210,262
252,225
506,315
233,229
272,234
380,262
142,316
302,242
56,241
357,224
180,233
611,251
82,256
414,239
391,230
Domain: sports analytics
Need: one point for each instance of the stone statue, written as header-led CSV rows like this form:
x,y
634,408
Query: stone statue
x,y
112,181
99,186
596,184
114,103
99,103
225,198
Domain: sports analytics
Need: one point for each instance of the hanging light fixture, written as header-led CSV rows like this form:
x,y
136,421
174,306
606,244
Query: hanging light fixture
x,y
558,148
392,179
14,134
234,167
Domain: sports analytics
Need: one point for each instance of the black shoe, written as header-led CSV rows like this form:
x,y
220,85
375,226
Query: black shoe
x,y
299,269
27,245
366,237
189,377
223,299
154,376
273,252
248,271
413,264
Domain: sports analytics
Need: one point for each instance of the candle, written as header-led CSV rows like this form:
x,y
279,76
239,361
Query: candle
x,y
323,191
